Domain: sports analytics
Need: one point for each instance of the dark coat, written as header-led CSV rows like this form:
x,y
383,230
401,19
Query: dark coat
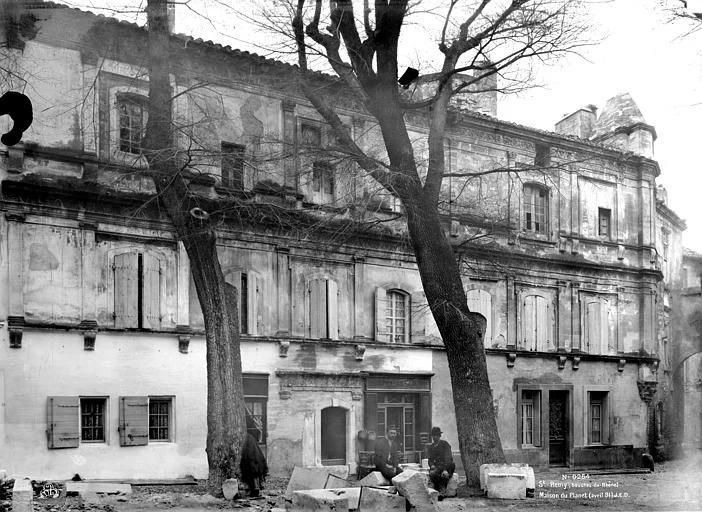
x,y
439,456
253,465
386,451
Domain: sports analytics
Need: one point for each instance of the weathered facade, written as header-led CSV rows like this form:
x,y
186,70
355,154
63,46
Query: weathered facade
x,y
102,363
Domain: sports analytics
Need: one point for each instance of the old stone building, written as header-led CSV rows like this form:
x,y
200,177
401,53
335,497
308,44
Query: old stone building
x,y
102,363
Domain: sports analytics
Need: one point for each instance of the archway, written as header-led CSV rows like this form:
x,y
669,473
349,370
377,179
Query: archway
x,y
333,436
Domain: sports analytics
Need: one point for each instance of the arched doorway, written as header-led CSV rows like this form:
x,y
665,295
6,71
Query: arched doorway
x,y
333,436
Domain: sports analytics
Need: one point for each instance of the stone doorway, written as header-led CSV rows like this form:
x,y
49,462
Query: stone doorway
x,y
333,436
558,428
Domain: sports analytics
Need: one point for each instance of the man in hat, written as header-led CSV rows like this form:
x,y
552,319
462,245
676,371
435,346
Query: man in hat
x,y
441,466
387,454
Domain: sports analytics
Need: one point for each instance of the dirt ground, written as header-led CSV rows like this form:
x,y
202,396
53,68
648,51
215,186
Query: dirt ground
x,y
674,486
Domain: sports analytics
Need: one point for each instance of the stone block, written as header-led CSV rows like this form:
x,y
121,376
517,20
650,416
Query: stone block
x,y
452,487
314,478
22,494
413,485
374,479
506,486
380,500
352,493
335,482
98,488
515,467
230,488
319,500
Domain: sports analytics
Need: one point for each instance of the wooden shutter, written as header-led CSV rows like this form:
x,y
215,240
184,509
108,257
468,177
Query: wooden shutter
x,y
252,303
151,292
419,309
126,280
318,308
543,324
370,412
332,310
381,300
133,420
528,327
424,419
234,279
63,421
611,319
480,301
593,327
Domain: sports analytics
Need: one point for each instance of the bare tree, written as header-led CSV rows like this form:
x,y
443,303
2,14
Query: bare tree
x,y
483,38
226,425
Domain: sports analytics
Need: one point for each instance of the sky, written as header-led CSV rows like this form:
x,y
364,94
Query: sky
x,y
641,50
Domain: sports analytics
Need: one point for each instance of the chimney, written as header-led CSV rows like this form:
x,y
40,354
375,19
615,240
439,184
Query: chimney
x,y
580,123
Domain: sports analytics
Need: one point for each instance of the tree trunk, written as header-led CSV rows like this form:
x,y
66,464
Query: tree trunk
x,y
226,426
462,333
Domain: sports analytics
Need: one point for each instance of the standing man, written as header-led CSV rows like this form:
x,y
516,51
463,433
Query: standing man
x,y
441,466
387,454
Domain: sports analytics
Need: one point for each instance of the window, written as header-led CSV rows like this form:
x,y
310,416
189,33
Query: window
x,y
531,418
246,285
536,209
256,401
396,315
92,420
597,425
323,179
480,301
132,121
137,286
537,331
159,419
599,324
604,222
542,158
323,309
233,166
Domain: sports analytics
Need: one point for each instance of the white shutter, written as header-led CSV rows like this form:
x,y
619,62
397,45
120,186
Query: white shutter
x,y
381,297
318,308
126,284
528,333
252,303
332,310
234,279
151,292
543,327
419,309
480,301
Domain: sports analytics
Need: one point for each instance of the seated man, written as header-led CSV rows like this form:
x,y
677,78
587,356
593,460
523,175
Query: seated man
x,y
387,454
441,466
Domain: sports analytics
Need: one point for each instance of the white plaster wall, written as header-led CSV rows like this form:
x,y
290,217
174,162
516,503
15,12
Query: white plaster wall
x,y
55,364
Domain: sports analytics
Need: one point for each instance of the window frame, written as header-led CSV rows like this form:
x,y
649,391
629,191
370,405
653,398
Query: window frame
x,y
391,320
321,184
604,214
129,100
600,398
171,419
253,397
140,275
238,158
116,95
529,209
530,397
103,400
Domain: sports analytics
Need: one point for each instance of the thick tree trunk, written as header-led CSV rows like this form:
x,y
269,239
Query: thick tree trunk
x,y
462,333
226,426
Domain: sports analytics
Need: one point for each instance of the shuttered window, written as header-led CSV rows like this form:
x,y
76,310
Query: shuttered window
x,y
536,209
247,285
599,325
63,430
324,309
536,325
256,403
143,419
480,301
137,287
233,165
